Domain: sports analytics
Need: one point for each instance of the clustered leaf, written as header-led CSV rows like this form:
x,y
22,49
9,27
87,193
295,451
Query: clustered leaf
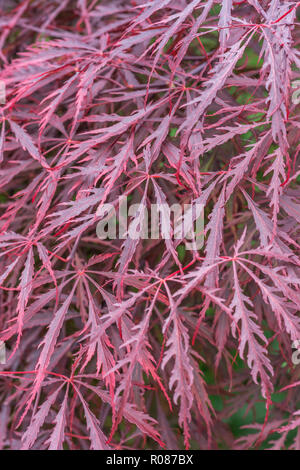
x,y
126,342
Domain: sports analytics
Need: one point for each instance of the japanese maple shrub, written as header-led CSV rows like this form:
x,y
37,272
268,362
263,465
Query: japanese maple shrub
x,y
135,342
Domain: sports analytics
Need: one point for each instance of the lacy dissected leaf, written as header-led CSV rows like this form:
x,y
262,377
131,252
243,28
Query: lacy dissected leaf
x,y
116,331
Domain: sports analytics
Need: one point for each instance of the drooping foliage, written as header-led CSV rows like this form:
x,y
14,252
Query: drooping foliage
x,y
143,343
